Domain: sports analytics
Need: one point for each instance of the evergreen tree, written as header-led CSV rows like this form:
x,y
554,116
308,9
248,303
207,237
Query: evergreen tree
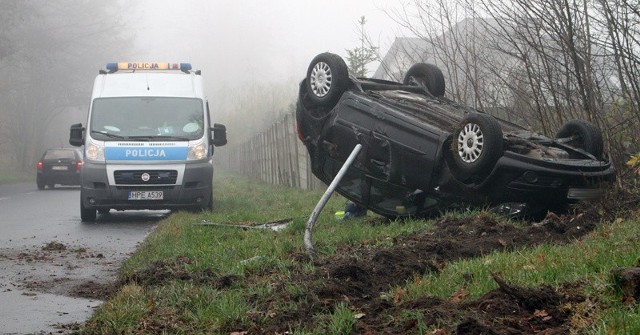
x,y
359,58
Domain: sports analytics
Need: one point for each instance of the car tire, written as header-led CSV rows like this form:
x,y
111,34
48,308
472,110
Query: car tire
x,y
87,214
103,211
476,146
428,76
327,79
40,184
584,135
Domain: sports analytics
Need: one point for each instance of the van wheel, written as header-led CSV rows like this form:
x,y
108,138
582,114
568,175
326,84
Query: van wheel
x,y
428,76
476,146
87,214
327,78
209,207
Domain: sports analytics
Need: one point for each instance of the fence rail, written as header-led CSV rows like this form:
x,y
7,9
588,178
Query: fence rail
x,y
275,156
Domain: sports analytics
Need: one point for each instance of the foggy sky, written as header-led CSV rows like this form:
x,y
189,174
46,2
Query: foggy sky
x,y
253,40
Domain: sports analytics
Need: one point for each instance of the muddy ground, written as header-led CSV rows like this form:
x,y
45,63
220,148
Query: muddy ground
x,y
358,274
53,269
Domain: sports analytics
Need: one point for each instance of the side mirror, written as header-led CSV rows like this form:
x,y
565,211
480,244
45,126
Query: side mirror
x,y
76,137
219,135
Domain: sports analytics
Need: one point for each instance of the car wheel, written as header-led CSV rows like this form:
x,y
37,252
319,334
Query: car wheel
x,y
583,135
477,145
40,184
327,79
103,211
428,76
51,186
87,214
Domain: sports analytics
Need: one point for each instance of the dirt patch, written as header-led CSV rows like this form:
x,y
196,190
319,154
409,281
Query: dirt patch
x,y
361,277
54,246
358,275
94,290
374,271
506,310
161,272
51,268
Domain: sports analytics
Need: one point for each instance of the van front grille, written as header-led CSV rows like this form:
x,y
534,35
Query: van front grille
x,y
138,177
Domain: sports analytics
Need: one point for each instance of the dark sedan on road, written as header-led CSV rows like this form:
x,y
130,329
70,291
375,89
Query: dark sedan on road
x,y
59,166
423,153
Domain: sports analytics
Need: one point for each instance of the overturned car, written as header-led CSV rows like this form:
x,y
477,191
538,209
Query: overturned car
x,y
423,153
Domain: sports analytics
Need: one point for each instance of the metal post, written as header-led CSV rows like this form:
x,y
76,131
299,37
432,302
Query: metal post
x,y
325,197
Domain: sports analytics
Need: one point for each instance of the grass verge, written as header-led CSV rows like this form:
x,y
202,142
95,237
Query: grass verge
x,y
222,277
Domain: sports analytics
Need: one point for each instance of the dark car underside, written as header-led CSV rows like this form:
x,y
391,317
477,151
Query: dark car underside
x,y
422,153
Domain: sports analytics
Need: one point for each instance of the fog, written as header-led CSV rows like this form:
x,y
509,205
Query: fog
x,y
252,55
250,40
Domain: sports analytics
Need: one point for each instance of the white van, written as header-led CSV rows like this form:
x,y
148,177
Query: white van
x,y
148,142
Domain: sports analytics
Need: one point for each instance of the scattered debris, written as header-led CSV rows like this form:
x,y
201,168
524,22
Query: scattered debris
x,y
54,246
273,225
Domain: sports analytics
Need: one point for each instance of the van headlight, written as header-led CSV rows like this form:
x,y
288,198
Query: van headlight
x,y
94,151
197,151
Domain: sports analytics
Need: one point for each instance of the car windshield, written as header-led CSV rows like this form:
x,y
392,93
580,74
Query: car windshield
x,y
147,118
59,154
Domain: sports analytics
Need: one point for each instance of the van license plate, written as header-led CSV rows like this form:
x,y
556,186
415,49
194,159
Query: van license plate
x,y
146,195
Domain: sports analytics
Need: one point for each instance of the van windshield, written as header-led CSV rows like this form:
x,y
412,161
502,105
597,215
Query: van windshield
x,y
147,118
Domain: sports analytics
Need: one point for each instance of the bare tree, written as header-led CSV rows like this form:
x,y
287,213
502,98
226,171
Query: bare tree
x,y
49,69
539,61
620,19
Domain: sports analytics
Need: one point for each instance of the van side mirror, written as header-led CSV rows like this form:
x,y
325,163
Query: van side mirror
x,y
218,135
76,133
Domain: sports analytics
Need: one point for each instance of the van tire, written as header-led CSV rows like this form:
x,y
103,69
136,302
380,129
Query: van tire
x,y
209,207
87,214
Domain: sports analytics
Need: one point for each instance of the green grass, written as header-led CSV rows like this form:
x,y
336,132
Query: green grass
x,y
589,259
260,263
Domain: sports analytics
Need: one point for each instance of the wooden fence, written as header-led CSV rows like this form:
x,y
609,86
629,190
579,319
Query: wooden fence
x,y
275,156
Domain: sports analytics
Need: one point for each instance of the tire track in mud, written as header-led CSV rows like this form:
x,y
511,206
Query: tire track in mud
x,y
358,277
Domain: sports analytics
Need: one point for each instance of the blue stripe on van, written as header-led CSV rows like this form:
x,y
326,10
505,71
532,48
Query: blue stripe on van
x,y
146,153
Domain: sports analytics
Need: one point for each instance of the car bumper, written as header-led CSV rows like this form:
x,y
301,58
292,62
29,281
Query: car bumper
x,y
194,191
518,178
59,178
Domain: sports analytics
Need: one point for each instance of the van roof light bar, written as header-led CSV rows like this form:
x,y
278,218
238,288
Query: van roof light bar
x,y
113,67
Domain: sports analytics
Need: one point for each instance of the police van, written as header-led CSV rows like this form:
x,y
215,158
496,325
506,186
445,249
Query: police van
x,y
148,141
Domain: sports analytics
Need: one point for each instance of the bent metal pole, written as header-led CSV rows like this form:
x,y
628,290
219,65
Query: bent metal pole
x,y
325,197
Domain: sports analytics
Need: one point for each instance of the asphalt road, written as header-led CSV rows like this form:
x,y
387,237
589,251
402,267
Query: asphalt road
x,y
46,253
